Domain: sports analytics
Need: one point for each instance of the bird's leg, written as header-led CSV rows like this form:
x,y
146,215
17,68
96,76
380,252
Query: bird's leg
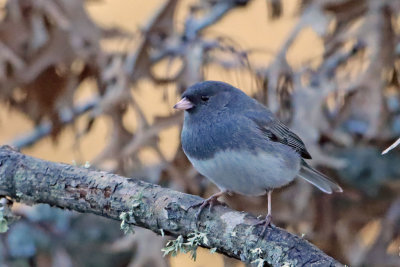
x,y
212,200
268,219
269,214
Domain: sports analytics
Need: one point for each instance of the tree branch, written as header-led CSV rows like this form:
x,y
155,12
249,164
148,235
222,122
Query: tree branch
x,y
44,129
195,25
30,180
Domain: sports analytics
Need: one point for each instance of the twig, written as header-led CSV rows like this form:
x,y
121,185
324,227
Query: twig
x,y
45,128
194,26
391,146
30,180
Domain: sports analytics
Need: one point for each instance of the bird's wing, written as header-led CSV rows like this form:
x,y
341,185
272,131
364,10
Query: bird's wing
x,y
276,131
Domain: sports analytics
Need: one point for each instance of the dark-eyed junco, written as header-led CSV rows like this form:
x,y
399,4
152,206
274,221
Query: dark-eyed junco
x,y
238,144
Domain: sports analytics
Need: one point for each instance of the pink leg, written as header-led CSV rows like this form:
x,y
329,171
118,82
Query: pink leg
x,y
269,204
268,219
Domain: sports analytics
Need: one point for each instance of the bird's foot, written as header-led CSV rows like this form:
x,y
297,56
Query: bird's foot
x,y
266,222
212,201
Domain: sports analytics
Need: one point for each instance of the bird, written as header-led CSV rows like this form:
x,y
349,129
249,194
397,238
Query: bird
x,y
238,144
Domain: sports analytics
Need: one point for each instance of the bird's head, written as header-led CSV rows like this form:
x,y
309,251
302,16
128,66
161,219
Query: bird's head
x,y
208,95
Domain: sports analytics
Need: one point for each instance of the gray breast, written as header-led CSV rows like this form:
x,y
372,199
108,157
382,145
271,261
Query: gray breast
x,y
250,173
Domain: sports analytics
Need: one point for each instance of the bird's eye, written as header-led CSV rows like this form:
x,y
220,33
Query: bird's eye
x,y
204,98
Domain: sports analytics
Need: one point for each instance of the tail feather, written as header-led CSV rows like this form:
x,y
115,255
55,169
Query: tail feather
x,y
318,179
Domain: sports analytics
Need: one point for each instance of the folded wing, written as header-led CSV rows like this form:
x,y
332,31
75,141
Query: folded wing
x,y
276,131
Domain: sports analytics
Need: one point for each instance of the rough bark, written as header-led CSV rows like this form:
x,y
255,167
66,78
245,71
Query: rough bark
x,y
31,180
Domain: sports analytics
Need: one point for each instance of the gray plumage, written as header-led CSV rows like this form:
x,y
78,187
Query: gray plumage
x,y
238,144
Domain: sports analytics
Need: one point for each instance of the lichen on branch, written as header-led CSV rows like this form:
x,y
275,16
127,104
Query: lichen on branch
x,y
134,202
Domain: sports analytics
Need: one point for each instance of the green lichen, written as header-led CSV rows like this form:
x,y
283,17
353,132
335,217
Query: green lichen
x,y
195,240
127,217
259,258
257,254
278,254
126,227
174,247
257,251
137,200
6,215
3,223
258,262
179,245
86,165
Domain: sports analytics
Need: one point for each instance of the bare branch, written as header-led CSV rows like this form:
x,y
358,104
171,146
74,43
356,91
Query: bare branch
x,y
232,233
396,143
44,129
194,26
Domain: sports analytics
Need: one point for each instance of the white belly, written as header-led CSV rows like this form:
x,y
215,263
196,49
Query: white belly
x,y
247,173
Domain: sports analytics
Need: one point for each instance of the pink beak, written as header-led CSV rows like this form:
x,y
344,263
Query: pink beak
x,y
184,104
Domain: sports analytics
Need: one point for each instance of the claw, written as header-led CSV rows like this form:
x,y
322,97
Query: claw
x,y
266,222
212,200
268,219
